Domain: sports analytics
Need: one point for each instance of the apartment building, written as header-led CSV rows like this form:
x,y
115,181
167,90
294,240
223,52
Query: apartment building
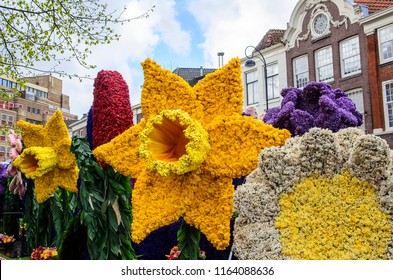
x,y
35,103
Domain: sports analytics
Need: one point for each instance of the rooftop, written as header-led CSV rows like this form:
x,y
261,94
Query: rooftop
x,y
192,75
375,5
272,37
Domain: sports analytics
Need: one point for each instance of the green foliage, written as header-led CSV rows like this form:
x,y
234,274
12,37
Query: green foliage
x,y
188,238
47,222
53,31
30,217
105,207
74,240
13,205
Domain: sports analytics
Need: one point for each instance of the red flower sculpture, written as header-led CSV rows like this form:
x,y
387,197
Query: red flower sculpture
x,y
112,112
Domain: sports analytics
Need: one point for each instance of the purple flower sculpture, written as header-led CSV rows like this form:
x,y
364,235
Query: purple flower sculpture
x,y
316,105
3,177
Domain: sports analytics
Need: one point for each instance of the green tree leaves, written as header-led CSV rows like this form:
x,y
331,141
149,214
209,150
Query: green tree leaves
x,y
55,30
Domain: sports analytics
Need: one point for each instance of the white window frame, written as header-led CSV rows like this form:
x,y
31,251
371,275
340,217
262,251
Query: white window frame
x,y
343,57
318,66
254,84
380,42
271,78
360,110
295,74
385,104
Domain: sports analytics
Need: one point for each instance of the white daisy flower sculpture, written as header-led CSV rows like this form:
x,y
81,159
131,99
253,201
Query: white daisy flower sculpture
x,y
321,196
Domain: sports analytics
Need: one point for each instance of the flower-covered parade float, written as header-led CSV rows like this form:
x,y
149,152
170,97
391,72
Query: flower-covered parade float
x,y
181,154
312,185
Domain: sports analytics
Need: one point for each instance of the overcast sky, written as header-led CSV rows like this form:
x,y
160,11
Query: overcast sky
x,y
185,33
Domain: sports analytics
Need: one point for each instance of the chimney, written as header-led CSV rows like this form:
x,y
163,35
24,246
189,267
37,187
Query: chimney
x,y
220,59
201,71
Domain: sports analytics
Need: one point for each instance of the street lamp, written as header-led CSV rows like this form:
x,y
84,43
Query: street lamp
x,y
251,63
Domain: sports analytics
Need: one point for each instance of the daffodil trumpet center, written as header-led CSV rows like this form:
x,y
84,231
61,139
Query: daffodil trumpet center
x,y
173,143
168,141
36,161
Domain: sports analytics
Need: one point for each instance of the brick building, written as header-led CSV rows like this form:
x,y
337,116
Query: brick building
x,y
325,42
346,43
378,28
36,103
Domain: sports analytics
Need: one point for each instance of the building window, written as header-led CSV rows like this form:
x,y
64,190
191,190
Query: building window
x,y
350,57
252,87
386,44
272,81
33,121
324,64
387,88
139,117
300,70
4,117
356,95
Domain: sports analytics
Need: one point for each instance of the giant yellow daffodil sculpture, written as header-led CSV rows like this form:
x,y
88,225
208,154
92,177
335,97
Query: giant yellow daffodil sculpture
x,y
184,154
47,158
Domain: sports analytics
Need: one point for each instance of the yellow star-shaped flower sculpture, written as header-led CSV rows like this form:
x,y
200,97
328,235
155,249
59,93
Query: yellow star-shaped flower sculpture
x,y
184,154
47,158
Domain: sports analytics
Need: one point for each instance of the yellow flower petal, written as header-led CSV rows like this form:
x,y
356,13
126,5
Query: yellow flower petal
x,y
45,186
210,210
55,129
66,159
163,89
33,134
221,92
67,178
236,142
156,202
122,152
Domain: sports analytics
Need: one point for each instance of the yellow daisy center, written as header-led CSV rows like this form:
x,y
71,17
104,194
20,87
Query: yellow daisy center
x,y
338,218
173,143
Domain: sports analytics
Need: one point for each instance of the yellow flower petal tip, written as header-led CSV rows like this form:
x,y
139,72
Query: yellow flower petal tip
x,y
47,158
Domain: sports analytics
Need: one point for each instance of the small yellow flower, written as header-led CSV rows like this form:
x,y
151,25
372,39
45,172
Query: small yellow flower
x,y
47,158
186,151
